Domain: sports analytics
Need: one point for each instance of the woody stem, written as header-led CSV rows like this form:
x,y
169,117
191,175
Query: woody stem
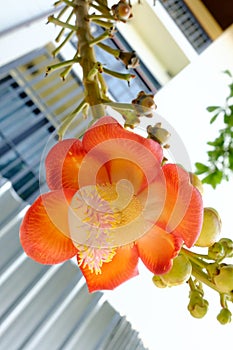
x,y
92,90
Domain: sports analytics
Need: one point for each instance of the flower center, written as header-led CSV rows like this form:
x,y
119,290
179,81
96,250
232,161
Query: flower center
x,y
97,217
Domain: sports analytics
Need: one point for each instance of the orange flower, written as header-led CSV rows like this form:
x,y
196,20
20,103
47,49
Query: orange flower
x,y
111,203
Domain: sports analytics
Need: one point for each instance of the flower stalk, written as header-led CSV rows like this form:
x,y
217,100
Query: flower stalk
x,y
58,49
62,64
56,21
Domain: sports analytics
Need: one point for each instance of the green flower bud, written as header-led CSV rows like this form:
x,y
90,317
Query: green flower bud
x,y
211,228
227,244
197,306
196,182
180,272
224,280
224,316
216,251
158,282
213,269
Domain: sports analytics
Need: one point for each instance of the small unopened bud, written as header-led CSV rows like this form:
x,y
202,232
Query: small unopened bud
x,y
224,280
196,182
197,306
122,11
211,228
158,134
144,104
227,244
224,316
180,272
129,59
216,251
158,282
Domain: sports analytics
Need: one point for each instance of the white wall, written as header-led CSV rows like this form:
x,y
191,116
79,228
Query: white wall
x,y
20,33
17,12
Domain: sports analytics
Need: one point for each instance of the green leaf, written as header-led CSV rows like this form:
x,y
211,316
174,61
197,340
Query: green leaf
x,y
214,155
227,72
213,179
201,168
230,159
214,118
218,142
213,108
228,119
231,91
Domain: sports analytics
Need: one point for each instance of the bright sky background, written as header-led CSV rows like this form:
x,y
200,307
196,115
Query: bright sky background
x,y
160,315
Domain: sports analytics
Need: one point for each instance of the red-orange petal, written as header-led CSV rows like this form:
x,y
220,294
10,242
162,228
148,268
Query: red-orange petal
x,y
122,267
126,154
62,164
157,249
44,232
124,169
183,209
107,128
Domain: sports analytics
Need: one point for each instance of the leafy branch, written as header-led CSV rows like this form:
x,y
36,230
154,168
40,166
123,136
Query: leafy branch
x,y
220,156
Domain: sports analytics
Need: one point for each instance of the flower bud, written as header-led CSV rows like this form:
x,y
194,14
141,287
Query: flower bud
x,y
197,306
216,251
158,134
158,282
196,182
213,269
224,280
224,316
211,228
129,59
144,104
227,244
122,11
180,272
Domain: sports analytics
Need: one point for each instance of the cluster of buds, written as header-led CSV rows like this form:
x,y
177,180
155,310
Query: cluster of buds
x,y
199,269
221,249
122,11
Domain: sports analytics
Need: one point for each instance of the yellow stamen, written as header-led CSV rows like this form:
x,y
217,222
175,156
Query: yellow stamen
x,y
100,210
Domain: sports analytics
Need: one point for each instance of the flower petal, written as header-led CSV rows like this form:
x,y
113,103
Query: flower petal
x,y
126,154
123,169
62,164
104,129
107,128
122,267
44,231
157,248
183,208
